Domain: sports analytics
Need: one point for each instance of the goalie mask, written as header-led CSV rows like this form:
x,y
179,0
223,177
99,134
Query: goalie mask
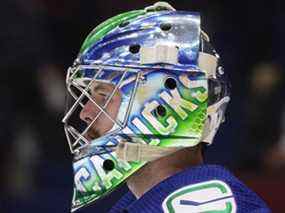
x,y
145,84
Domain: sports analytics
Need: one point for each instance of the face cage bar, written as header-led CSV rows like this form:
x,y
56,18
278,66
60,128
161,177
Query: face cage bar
x,y
71,131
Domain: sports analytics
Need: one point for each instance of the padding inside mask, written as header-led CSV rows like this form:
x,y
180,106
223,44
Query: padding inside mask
x,y
217,90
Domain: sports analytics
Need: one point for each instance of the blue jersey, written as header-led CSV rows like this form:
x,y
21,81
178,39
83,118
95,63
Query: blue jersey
x,y
205,188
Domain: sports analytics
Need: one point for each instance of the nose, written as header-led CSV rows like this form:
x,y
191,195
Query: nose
x,y
88,112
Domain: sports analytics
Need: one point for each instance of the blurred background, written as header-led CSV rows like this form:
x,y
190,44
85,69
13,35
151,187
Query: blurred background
x,y
39,39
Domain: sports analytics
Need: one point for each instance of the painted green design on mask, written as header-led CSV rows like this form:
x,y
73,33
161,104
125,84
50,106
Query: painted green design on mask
x,y
104,28
84,198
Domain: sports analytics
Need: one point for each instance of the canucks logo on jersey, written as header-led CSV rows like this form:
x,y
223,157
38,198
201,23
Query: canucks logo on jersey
x,y
209,196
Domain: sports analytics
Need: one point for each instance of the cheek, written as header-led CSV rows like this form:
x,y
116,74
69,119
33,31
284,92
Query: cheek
x,y
105,124
114,107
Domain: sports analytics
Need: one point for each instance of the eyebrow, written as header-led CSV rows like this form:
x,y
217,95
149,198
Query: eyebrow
x,y
102,87
98,87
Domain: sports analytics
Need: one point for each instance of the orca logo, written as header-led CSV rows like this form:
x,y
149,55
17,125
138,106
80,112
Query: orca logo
x,y
210,196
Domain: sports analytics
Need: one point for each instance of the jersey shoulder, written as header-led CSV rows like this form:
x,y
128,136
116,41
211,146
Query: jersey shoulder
x,y
205,188
212,188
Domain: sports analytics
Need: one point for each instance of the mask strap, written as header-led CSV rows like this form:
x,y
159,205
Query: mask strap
x,y
127,151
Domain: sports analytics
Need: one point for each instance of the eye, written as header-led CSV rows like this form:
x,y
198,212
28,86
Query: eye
x,y
99,91
102,94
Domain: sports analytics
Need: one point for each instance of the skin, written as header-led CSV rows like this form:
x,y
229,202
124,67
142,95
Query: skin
x,y
100,94
167,166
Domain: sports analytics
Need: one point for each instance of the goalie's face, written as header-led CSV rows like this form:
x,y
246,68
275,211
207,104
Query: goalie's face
x,y
98,102
91,113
